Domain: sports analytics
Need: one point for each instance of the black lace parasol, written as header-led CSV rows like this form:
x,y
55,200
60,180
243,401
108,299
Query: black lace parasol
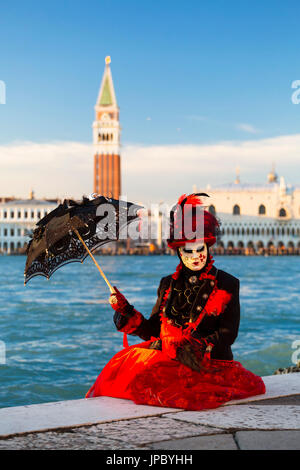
x,y
75,228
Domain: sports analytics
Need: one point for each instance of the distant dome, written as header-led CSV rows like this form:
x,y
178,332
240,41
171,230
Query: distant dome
x,y
272,176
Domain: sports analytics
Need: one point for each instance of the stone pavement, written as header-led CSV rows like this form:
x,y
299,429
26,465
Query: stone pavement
x,y
270,422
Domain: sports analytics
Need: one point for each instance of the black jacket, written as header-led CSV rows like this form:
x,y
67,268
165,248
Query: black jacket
x,y
220,330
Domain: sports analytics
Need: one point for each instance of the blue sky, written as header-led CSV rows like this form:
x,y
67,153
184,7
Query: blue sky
x,y
204,72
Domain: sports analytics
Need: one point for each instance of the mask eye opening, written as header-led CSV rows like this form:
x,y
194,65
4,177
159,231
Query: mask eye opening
x,y
185,250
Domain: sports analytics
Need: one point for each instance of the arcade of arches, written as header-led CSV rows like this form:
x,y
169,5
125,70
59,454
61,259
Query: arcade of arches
x,y
256,248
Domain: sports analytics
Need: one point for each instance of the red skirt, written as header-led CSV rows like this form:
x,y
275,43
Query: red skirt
x,y
150,377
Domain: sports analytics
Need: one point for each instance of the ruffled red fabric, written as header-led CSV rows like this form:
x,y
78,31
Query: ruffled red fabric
x,y
150,377
154,377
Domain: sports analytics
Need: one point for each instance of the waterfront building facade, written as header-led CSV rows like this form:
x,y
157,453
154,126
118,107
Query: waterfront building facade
x,y
106,139
18,218
257,218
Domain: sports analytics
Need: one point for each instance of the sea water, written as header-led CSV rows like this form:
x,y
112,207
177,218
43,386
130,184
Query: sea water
x,y
57,335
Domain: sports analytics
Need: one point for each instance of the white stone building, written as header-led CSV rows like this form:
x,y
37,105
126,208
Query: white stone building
x,y
261,219
18,218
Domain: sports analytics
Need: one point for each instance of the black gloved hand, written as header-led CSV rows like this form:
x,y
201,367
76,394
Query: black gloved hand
x,y
191,353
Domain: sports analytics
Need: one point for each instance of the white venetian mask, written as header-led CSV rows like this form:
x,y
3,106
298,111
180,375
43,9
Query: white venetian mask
x,y
194,255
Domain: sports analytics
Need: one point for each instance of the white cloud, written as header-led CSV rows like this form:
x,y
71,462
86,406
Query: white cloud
x,y
51,169
247,128
158,172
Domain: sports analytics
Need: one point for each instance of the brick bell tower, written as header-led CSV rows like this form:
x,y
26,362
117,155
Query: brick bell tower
x,y
106,139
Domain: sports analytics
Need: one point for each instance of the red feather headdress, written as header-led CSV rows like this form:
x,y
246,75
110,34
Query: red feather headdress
x,y
189,222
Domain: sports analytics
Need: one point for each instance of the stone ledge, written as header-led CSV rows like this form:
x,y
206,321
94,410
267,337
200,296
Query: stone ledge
x,y
250,416
136,434
215,442
268,440
88,412
72,413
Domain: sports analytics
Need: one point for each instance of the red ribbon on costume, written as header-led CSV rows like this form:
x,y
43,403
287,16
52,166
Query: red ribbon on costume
x,y
125,341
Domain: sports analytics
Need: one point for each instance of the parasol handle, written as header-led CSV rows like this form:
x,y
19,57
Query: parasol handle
x,y
112,290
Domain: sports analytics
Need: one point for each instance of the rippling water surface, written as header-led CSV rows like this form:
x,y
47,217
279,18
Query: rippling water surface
x,y
59,334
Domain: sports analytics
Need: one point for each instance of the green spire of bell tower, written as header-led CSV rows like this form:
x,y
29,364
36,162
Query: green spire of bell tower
x,y
106,98
107,95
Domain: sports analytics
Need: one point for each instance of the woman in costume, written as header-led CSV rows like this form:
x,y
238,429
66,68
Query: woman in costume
x,y
185,360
